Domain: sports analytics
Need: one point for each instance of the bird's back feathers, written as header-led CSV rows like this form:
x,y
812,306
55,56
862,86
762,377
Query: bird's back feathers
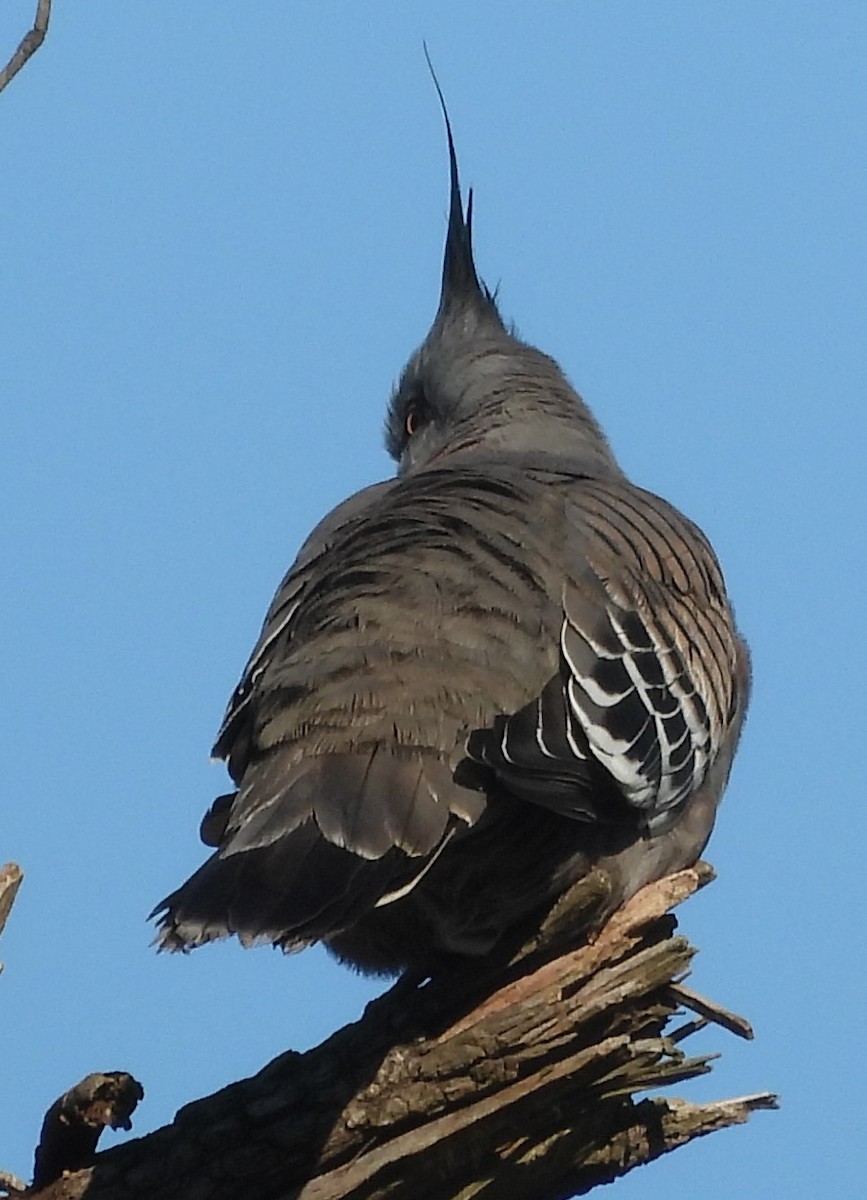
x,y
430,655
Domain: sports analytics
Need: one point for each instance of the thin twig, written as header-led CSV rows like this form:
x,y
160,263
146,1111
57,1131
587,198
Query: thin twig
x,y
10,880
687,1029
30,43
712,1011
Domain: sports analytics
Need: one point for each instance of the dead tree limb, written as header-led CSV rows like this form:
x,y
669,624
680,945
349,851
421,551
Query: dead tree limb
x,y
29,44
517,1086
74,1123
10,881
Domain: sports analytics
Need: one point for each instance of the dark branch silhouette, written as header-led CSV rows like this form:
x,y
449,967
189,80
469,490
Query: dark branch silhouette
x,y
29,44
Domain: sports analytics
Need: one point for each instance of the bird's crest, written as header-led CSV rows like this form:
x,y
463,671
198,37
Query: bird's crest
x,y
461,285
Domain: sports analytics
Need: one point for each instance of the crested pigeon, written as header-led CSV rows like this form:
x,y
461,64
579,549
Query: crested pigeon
x,y
478,679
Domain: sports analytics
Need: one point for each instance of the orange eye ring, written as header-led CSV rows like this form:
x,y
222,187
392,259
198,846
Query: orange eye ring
x,y
413,420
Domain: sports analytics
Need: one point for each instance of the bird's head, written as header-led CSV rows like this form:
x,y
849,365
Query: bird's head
x,y
473,385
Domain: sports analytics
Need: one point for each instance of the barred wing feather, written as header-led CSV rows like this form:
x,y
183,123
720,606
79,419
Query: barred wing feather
x,y
647,689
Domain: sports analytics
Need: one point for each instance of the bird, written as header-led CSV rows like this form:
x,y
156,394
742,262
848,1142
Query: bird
x,y
479,679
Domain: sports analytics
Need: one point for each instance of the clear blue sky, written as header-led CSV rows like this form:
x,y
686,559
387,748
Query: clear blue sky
x,y
220,237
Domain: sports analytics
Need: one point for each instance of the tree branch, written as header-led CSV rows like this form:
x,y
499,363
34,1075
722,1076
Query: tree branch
x,y
74,1123
29,44
515,1082
11,1185
10,881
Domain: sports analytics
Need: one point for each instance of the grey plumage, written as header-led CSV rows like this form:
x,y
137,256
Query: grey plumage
x,y
476,680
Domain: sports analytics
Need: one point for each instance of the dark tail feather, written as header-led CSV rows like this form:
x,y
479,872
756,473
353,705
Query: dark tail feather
x,y
306,848
292,892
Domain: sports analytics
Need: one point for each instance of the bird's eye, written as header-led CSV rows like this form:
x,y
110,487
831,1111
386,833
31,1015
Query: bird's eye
x,y
416,416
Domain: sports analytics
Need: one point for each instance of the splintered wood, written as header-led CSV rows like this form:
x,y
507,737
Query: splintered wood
x,y
522,1081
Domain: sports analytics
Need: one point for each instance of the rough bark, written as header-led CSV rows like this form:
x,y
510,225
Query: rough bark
x,y
74,1123
518,1083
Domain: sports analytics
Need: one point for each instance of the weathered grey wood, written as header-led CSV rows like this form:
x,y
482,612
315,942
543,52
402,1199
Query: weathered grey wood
x,y
10,881
29,44
518,1084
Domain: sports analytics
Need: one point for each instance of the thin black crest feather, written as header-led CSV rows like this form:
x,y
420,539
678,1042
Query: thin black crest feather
x,y
460,280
